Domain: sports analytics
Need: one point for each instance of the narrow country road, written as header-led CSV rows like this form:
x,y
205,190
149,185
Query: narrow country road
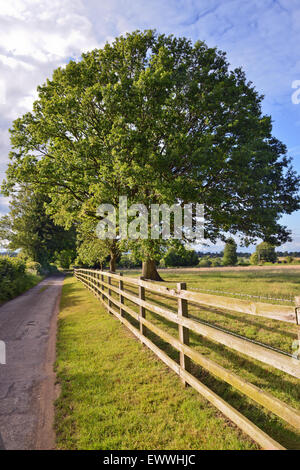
x,y
27,380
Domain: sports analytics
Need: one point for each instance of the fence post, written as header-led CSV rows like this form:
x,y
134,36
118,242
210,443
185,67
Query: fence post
x,y
102,288
142,309
109,291
183,332
121,287
97,284
297,311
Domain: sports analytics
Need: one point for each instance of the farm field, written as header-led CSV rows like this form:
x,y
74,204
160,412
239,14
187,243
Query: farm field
x,y
117,395
273,283
270,284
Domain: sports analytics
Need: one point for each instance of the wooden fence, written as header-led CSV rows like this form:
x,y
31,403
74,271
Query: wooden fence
x,y
100,283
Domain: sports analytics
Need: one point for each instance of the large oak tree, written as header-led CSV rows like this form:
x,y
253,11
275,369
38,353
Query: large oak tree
x,y
161,120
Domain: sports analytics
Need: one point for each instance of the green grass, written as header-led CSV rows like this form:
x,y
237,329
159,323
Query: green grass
x,y
115,394
281,283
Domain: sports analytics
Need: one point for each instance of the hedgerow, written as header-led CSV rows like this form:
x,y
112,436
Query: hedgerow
x,y
13,277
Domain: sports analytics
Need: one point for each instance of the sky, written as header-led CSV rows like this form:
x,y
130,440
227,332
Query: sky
x,y
263,37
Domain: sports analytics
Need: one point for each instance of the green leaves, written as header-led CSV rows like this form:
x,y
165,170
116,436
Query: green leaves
x,y
230,255
29,228
160,120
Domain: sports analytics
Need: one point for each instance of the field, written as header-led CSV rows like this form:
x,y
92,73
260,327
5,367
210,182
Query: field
x,y
278,284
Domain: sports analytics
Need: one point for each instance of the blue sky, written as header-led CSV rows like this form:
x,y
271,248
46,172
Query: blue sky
x,y
261,36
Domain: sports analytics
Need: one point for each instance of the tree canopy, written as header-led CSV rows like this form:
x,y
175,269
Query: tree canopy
x,y
230,254
178,255
266,252
29,228
160,120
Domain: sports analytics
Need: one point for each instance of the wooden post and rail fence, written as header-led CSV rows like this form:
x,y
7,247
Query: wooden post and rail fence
x,y
100,283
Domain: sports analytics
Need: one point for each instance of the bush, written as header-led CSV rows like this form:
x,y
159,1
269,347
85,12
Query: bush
x,y
215,262
266,252
13,277
128,260
254,259
34,267
180,256
64,258
204,263
243,262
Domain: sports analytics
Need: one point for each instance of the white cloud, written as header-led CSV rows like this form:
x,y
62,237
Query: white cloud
x,y
26,102
13,9
46,31
14,63
2,92
35,38
4,202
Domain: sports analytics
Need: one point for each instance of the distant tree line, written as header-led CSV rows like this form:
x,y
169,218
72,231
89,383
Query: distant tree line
x,y
45,246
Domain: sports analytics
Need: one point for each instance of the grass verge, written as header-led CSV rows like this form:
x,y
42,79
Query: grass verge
x,y
115,394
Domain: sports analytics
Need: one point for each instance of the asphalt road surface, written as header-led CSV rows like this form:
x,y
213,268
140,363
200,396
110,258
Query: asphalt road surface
x,y
27,380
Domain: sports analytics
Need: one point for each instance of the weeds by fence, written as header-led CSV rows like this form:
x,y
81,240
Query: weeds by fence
x,y
114,296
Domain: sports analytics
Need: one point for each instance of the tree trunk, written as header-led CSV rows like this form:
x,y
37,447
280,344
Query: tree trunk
x,y
112,261
150,271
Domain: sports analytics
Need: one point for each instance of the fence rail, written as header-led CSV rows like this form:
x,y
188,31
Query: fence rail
x,y
100,282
